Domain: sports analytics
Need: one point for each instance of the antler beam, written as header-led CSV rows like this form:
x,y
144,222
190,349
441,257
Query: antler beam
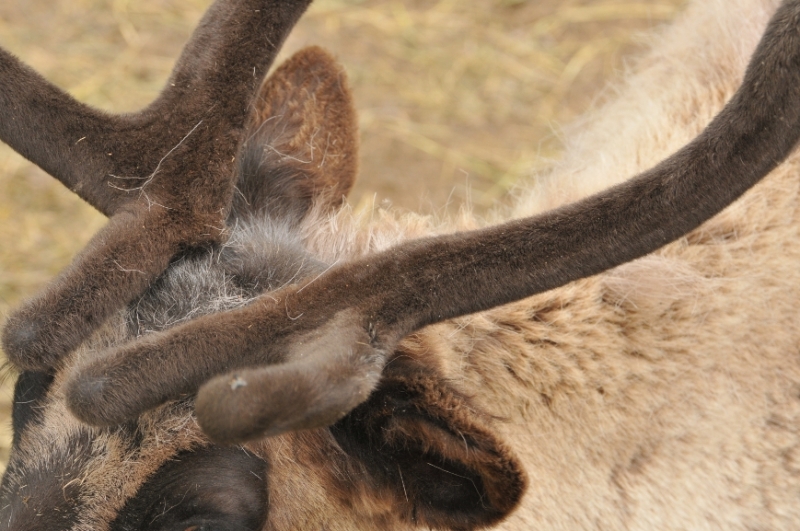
x,y
357,312
139,168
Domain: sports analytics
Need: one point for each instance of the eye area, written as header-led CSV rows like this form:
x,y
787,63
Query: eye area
x,y
207,526
29,392
204,526
208,489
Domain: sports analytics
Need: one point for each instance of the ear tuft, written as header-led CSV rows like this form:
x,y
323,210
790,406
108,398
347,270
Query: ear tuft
x,y
301,142
422,442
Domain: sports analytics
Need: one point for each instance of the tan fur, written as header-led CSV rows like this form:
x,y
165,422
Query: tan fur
x,y
664,394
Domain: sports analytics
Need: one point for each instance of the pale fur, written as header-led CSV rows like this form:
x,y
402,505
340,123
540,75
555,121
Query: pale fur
x,y
664,394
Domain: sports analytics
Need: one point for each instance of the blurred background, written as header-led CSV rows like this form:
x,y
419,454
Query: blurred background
x,y
458,99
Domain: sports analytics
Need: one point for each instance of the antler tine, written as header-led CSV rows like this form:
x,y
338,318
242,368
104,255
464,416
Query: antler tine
x,y
459,274
453,275
89,151
165,173
325,380
426,281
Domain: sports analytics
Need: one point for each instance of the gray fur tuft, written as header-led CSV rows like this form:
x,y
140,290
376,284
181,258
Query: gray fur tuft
x,y
261,255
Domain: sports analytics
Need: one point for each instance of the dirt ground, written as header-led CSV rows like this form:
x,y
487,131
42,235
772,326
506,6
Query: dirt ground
x,y
457,100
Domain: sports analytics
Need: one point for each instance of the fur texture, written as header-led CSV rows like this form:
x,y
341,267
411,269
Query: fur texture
x,y
663,394
161,200
428,280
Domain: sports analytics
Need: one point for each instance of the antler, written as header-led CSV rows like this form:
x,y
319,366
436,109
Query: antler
x,y
319,347
164,175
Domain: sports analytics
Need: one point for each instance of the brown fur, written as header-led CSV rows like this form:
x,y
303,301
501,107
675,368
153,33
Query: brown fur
x,y
424,281
307,124
164,175
660,395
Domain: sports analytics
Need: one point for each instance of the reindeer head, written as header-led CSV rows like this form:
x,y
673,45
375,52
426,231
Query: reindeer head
x,y
415,453
242,337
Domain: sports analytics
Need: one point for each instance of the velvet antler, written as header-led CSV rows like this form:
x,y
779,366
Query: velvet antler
x,y
303,356
163,175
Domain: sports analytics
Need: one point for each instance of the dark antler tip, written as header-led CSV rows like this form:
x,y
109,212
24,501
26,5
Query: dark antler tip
x,y
86,399
265,402
219,411
23,340
236,409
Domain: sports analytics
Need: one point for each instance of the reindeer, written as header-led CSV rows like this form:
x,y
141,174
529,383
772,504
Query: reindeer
x,y
236,351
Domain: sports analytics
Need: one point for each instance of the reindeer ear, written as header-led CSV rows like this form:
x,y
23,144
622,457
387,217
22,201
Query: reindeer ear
x,y
301,143
423,443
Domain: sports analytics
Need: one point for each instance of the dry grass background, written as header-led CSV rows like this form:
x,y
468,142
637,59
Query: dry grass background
x,y
457,99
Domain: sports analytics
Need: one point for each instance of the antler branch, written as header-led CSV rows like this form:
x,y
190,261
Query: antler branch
x,y
368,305
166,170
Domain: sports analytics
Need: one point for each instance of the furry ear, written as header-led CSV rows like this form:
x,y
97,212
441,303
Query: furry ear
x,y
301,143
422,442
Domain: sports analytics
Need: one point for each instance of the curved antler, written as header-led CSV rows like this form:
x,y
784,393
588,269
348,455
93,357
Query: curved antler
x,y
359,311
164,175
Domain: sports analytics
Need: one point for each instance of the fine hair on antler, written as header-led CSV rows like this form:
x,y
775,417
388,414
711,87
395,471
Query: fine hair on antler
x,y
163,175
307,354
312,368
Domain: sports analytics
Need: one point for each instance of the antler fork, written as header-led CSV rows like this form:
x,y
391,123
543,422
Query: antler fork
x,y
318,348
163,175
